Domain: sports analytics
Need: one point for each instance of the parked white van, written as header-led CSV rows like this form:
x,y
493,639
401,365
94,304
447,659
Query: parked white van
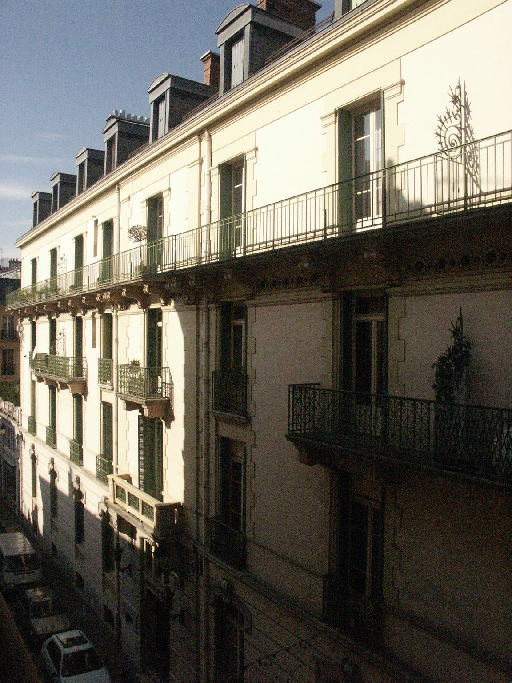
x,y
20,565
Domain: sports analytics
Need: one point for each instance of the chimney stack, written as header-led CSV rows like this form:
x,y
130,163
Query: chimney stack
x,y
211,61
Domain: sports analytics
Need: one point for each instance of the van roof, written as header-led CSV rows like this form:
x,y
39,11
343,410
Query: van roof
x,y
15,543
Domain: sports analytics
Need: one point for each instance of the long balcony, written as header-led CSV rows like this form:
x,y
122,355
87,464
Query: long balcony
x,y
66,371
229,392
449,182
149,388
159,518
473,441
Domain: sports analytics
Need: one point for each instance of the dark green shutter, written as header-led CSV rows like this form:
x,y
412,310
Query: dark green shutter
x,y
225,210
151,456
79,260
345,170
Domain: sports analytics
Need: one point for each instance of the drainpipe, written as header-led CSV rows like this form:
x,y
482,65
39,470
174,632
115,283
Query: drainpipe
x,y
115,334
208,185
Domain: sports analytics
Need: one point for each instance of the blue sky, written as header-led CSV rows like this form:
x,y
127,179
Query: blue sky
x,y
66,64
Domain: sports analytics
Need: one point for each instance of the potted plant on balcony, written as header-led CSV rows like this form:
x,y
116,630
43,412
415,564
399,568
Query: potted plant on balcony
x,y
450,386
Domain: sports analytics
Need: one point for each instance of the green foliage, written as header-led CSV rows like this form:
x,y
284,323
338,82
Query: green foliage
x,y
10,391
451,365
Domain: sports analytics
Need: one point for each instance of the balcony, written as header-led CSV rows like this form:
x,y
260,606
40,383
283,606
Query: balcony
x,y
161,519
149,388
106,372
226,543
104,467
9,335
445,183
76,452
51,437
356,615
31,425
67,372
229,392
473,441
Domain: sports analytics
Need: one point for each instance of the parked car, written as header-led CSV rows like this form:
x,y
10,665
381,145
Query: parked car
x,y
19,563
69,657
42,613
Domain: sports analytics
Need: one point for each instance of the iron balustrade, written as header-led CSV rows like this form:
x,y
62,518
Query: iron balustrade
x,y
106,371
51,437
9,335
31,425
144,383
76,452
229,392
63,368
104,467
450,181
473,440
226,543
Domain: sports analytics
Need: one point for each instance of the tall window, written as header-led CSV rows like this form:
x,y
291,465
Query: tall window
x,y
106,432
237,61
8,366
52,393
53,493
354,591
155,231
360,163
33,463
232,206
229,643
33,335
78,499
33,271
151,469
53,268
230,380
79,261
52,343
106,268
231,467
8,331
107,544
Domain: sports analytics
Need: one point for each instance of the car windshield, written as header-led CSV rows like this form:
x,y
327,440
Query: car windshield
x,y
80,662
21,563
41,609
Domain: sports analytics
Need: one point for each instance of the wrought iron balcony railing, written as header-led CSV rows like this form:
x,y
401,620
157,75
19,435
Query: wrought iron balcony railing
x,y
160,518
31,425
9,335
104,467
452,181
64,368
473,440
357,615
76,452
229,392
106,372
51,437
8,369
226,543
144,383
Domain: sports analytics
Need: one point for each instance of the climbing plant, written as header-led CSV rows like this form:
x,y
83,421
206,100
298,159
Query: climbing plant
x,y
451,366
